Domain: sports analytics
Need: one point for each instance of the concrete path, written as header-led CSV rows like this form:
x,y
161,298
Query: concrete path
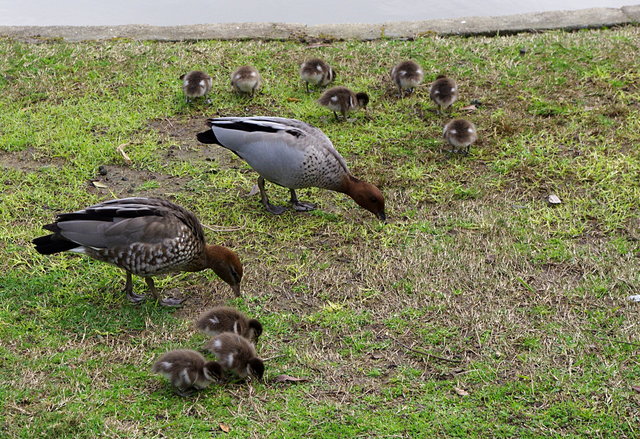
x,y
568,20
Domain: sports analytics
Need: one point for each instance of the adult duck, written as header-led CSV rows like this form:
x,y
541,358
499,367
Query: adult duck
x,y
143,236
292,154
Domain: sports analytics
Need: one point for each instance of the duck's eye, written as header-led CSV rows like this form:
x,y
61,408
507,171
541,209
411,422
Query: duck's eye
x,y
373,199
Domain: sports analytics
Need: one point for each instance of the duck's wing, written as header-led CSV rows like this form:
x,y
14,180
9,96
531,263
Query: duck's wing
x,y
124,222
235,133
255,138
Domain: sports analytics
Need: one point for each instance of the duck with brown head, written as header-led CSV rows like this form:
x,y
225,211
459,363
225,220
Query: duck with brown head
x,y
292,154
143,236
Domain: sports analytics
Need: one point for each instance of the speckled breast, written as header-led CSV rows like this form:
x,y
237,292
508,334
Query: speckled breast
x,y
147,259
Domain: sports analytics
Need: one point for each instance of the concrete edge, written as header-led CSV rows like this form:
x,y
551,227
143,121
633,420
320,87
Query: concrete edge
x,y
537,21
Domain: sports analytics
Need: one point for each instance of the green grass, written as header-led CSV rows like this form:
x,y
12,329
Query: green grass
x,y
520,304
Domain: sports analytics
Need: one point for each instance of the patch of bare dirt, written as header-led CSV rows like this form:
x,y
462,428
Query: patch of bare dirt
x,y
28,160
121,181
181,135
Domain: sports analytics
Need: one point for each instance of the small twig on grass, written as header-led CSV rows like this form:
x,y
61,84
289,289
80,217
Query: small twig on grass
x,y
169,122
421,352
222,229
126,158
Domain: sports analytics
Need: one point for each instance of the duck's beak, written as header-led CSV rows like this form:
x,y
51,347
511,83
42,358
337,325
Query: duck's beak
x,y
382,216
236,289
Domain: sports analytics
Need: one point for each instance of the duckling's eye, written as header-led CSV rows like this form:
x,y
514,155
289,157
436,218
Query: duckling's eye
x,y
373,199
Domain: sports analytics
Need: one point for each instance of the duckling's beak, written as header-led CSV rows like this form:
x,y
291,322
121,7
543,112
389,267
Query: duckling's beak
x,y
382,216
236,289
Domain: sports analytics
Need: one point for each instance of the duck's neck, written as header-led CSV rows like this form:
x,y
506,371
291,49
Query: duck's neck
x,y
347,184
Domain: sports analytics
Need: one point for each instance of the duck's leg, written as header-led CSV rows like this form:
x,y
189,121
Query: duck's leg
x,y
169,301
128,289
300,206
276,210
307,85
336,115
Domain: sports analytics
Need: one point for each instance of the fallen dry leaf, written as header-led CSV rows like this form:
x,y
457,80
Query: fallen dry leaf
x,y
469,108
288,378
293,99
376,356
636,388
553,199
99,184
225,428
460,391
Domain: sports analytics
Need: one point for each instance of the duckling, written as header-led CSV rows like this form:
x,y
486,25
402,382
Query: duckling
x,y
196,84
246,79
292,154
343,100
143,236
460,133
444,92
407,75
187,370
317,72
226,319
235,353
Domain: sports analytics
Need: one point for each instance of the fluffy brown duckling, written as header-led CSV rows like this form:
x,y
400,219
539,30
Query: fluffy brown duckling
x,y
196,84
237,354
187,370
460,133
246,79
144,236
225,319
407,75
444,92
316,72
343,100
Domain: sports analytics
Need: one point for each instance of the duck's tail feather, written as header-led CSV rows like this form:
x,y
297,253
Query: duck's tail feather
x,y
50,244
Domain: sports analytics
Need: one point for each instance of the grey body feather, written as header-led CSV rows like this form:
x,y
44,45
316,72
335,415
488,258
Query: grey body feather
x,y
287,152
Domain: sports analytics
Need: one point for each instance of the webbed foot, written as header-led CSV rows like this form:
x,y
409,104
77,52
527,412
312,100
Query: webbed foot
x,y
276,210
303,207
134,298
